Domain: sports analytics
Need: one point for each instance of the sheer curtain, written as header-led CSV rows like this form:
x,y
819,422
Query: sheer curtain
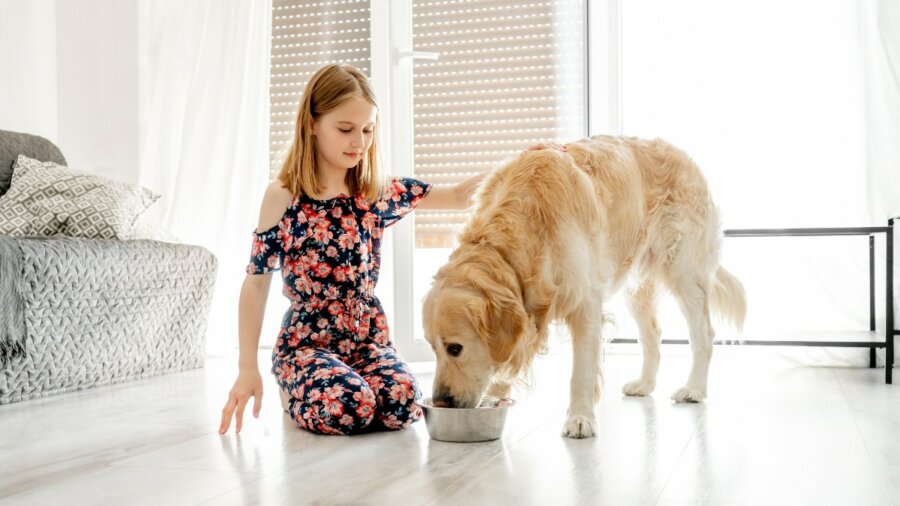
x,y
880,22
779,103
204,116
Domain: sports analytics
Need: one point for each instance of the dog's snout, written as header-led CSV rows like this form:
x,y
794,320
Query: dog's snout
x,y
442,399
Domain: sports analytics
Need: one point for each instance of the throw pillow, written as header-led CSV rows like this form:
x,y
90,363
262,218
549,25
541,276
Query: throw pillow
x,y
46,198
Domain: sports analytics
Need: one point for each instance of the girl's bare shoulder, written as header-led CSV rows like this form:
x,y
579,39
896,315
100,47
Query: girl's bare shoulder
x,y
275,201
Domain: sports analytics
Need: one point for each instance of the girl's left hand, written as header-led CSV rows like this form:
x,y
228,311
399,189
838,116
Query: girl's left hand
x,y
546,145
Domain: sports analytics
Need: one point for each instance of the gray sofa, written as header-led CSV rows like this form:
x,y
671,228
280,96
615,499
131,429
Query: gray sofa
x,y
77,313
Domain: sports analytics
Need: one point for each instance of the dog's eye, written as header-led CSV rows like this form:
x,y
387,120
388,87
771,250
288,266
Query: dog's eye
x,y
454,349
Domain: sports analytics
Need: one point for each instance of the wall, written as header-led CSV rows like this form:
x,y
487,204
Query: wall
x,y
69,73
28,73
98,90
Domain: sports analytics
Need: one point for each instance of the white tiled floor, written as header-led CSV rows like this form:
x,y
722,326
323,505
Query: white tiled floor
x,y
772,432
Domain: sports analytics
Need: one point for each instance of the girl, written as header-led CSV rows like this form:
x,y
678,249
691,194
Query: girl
x,y
321,224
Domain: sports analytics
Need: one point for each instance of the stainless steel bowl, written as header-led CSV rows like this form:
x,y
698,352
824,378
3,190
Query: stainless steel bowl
x,y
469,425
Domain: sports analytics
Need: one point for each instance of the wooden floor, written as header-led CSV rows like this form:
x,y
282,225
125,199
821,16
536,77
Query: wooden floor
x,y
772,432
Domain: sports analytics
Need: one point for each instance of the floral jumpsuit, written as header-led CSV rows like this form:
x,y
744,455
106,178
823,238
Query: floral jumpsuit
x,y
334,354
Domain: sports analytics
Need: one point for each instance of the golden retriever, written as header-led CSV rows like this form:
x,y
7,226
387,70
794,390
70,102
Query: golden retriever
x,y
553,235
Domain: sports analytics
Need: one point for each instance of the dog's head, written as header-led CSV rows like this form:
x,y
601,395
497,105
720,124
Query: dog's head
x,y
474,318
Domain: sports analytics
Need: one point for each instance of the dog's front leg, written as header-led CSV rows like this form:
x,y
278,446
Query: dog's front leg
x,y
499,388
585,324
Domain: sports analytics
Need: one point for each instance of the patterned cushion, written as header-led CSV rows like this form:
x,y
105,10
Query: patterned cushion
x,y
46,199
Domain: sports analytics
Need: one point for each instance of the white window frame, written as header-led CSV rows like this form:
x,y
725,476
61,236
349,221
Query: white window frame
x,y
391,69
604,67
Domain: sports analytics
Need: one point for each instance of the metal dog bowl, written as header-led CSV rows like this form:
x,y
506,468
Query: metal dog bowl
x,y
467,425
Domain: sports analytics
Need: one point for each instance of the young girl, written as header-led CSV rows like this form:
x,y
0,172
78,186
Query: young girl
x,y
321,224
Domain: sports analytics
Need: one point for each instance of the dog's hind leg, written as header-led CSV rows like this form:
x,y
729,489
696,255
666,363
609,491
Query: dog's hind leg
x,y
692,294
642,305
584,324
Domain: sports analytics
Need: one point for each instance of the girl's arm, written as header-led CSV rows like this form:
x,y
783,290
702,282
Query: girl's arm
x,y
458,197
251,308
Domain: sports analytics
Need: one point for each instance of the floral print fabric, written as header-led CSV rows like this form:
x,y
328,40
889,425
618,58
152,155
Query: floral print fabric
x,y
334,355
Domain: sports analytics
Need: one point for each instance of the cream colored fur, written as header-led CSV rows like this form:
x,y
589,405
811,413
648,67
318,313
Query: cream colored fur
x,y
555,234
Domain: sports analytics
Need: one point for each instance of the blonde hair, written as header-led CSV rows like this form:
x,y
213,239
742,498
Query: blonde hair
x,y
328,89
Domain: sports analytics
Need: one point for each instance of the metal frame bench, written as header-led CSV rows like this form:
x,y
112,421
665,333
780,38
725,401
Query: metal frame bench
x,y
856,339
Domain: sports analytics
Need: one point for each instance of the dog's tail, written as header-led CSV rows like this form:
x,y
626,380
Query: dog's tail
x,y
728,299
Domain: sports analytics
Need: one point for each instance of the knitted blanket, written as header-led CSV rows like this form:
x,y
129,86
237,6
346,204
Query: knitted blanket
x,y
77,313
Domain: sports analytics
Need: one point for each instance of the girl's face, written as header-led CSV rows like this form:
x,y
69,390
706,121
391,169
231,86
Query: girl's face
x,y
344,135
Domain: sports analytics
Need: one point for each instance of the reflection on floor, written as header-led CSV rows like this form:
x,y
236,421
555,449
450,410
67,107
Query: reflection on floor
x,y
772,432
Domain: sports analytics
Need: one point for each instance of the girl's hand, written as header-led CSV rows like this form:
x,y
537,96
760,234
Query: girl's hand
x,y
248,384
546,145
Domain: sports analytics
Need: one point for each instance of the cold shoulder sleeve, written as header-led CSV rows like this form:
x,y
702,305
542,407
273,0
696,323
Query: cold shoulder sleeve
x,y
401,196
267,251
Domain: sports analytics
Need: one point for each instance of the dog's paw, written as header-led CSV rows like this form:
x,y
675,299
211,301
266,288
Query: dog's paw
x,y
689,394
638,388
499,389
579,427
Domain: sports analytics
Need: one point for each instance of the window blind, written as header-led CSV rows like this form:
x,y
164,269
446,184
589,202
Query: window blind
x,y
305,36
510,74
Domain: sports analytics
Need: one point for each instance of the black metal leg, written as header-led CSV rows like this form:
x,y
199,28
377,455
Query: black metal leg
x,y
889,306
871,295
889,331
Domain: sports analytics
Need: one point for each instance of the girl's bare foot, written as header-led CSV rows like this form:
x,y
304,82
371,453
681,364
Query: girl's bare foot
x,y
285,399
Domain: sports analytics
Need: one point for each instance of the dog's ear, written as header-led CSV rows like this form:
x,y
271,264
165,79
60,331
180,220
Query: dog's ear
x,y
500,321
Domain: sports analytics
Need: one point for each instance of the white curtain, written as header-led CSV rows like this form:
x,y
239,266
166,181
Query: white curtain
x,y
880,21
204,119
791,109
881,42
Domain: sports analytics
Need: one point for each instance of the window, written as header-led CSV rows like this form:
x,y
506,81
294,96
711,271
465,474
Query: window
x,y
776,123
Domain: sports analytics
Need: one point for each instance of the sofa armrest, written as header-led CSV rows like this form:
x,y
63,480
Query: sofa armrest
x,y
115,269
92,312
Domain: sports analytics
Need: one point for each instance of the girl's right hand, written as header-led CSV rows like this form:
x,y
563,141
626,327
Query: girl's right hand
x,y
248,384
